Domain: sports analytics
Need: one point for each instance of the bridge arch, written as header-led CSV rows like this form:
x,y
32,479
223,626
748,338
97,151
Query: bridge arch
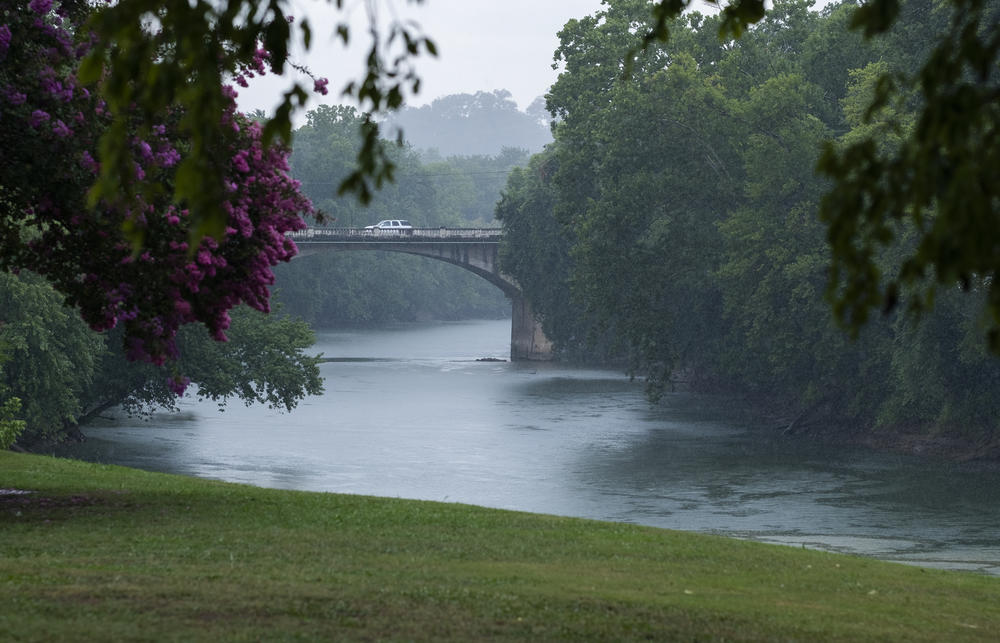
x,y
474,249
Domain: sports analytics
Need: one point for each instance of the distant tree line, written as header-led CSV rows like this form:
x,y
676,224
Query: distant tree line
x,y
673,223
471,124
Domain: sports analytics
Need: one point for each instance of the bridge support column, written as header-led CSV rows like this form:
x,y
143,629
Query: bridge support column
x,y
527,341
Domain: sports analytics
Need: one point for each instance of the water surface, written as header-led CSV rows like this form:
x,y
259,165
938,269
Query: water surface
x,y
409,412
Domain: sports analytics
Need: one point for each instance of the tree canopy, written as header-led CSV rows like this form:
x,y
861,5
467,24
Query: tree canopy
x,y
674,223
936,187
83,239
483,123
134,262
56,373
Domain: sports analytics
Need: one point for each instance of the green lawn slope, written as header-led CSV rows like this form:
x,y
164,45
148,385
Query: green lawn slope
x,y
108,553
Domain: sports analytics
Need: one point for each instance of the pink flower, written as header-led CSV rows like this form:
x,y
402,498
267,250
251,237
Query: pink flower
x,y
178,384
319,85
240,161
167,156
87,161
41,7
37,118
60,129
14,97
5,37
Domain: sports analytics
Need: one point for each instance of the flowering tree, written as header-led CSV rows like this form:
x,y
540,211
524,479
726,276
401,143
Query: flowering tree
x,y
51,223
196,45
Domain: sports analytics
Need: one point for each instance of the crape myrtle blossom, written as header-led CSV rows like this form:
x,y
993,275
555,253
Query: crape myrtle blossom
x,y
49,131
4,40
40,7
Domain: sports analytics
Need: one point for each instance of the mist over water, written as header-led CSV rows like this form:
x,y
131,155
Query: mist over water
x,y
409,412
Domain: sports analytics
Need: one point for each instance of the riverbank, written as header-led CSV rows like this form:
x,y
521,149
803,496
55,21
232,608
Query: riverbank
x,y
819,424
104,552
950,446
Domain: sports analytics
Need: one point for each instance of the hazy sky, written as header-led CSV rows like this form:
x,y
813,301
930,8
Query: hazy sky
x,y
482,45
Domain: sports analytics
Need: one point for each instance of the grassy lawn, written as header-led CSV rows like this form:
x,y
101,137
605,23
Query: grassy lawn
x,y
108,553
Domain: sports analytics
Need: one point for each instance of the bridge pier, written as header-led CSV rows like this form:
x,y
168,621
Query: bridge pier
x,y
527,341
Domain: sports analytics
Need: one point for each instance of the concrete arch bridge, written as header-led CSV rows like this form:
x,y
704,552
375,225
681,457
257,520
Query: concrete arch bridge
x,y
474,249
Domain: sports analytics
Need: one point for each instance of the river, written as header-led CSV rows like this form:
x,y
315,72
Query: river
x,y
409,412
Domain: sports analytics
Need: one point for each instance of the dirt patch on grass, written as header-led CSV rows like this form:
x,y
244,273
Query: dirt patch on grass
x,y
21,502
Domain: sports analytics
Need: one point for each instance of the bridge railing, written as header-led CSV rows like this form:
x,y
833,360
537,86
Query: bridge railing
x,y
412,234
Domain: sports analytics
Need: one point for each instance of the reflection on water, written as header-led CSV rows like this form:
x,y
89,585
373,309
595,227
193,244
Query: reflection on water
x,y
409,412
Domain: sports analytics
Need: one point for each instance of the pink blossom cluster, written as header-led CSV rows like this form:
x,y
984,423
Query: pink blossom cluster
x,y
5,37
259,66
49,130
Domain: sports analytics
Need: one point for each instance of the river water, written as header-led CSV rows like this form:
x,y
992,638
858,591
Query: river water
x,y
409,412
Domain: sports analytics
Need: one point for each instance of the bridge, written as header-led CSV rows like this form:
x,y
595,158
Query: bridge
x,y
474,249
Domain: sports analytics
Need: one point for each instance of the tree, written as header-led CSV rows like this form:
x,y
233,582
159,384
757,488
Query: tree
x,y
205,41
50,353
677,212
263,362
939,182
10,427
781,343
483,123
536,253
56,373
85,242
642,172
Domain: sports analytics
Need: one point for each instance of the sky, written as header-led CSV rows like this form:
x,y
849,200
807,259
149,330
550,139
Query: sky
x,y
483,45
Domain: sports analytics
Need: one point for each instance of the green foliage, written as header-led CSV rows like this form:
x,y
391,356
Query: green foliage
x,y
737,17
676,217
183,63
470,185
57,373
10,427
51,354
938,356
940,180
483,123
536,253
263,362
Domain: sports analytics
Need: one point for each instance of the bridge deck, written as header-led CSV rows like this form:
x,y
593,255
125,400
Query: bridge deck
x,y
413,235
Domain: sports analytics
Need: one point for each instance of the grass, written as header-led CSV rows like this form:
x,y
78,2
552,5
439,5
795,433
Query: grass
x,y
101,552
